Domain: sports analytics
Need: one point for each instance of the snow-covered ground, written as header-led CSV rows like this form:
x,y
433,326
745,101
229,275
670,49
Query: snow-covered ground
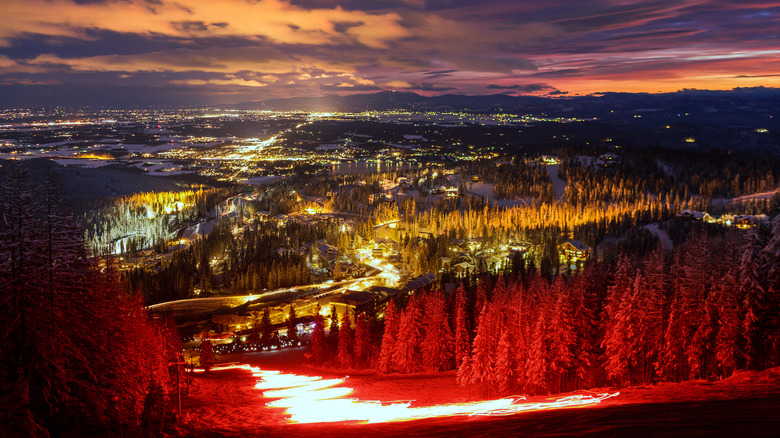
x,y
756,196
260,180
661,234
559,185
482,189
226,403
665,167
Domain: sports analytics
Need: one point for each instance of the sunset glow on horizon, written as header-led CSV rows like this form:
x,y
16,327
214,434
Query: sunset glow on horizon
x,y
200,51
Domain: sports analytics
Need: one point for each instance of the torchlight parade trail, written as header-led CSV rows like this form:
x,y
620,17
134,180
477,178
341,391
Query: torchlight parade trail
x,y
312,399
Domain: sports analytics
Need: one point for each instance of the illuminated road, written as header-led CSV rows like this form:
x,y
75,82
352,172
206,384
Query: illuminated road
x,y
208,304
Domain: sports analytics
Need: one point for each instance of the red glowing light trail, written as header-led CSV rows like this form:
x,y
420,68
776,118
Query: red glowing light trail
x,y
309,399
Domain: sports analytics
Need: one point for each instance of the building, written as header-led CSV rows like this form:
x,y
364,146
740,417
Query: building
x,y
745,221
326,253
421,282
608,160
572,251
356,302
694,215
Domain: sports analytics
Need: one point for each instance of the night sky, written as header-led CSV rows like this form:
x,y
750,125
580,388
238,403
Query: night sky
x,y
130,52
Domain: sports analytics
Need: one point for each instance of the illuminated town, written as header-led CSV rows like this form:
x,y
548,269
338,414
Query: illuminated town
x,y
291,218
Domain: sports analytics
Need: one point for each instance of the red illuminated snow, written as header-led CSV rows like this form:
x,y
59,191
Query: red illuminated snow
x,y
231,402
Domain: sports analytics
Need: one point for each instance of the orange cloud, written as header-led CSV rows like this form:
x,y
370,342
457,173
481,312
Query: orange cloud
x,y
277,20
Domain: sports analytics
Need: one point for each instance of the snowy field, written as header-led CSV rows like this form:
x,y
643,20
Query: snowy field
x,y
226,403
559,185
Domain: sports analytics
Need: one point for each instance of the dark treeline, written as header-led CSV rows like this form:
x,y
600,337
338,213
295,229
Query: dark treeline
x,y
675,175
80,355
247,261
703,311
522,178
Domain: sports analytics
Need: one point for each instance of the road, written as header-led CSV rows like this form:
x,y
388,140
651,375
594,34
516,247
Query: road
x,y
209,304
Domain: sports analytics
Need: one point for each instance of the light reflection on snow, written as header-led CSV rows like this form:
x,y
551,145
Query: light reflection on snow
x,y
309,399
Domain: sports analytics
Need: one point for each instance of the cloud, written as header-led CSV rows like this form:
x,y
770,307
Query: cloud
x,y
352,88
276,20
235,81
526,88
420,86
307,47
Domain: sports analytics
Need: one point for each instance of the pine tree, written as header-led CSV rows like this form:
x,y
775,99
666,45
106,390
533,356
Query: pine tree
x,y
386,363
693,287
265,327
481,298
462,342
673,354
539,355
751,288
207,359
407,352
292,329
334,322
505,376
771,255
728,337
346,342
563,338
618,343
651,303
318,342
437,343
483,349
464,372
362,341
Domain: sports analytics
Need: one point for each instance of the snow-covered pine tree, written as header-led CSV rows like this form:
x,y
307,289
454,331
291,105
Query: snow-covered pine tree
x,y
292,329
617,345
651,302
563,338
587,291
334,322
771,255
672,357
207,359
407,352
362,341
462,341
346,342
754,295
386,361
481,300
505,370
539,355
693,287
484,347
672,363
437,343
319,344
464,372
727,340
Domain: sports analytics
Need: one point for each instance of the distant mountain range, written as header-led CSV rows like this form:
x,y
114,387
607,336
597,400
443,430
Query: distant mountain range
x,y
741,106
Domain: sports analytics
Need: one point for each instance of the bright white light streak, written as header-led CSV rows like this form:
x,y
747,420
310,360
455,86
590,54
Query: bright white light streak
x,y
313,400
309,399
313,386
